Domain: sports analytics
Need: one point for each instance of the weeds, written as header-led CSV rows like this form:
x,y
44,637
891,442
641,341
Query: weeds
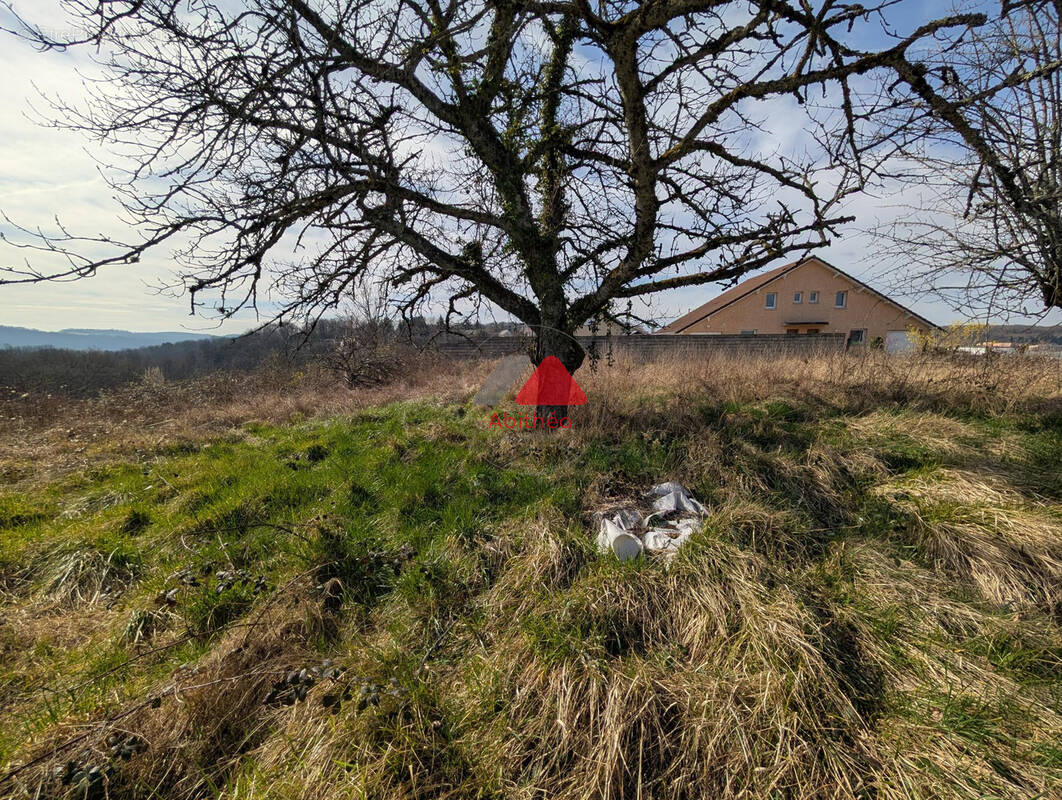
x,y
399,602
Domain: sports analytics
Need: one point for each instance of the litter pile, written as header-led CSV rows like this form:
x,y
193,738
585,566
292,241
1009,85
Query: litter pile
x,y
675,516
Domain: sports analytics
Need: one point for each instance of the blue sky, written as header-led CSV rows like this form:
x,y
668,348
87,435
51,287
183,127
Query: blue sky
x,y
46,173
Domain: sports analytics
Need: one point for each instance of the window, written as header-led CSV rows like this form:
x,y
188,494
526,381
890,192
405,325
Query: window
x,y
748,333
856,336
813,297
772,299
798,297
841,300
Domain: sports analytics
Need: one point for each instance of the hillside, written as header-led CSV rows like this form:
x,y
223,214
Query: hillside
x,y
92,339
1025,334
69,370
284,589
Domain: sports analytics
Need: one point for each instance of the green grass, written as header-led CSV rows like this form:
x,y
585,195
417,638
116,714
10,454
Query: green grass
x,y
341,497
810,609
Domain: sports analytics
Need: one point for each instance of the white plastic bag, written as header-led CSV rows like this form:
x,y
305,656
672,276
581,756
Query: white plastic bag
x,y
676,516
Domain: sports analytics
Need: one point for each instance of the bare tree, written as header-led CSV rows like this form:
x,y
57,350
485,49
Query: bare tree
x,y
367,349
554,158
986,158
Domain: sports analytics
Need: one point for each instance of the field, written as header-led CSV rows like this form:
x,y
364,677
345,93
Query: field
x,y
270,586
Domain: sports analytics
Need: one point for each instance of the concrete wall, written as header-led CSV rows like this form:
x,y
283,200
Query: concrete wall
x,y
864,310
652,345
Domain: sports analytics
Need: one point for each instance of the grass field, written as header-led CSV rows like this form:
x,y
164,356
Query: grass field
x,y
269,586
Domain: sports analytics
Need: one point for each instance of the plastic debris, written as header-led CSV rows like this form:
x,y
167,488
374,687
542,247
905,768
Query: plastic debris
x,y
666,488
673,496
627,532
611,537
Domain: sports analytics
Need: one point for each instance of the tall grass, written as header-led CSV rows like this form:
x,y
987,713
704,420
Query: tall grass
x,y
855,381
296,591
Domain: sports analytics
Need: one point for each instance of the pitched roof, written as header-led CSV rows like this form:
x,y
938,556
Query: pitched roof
x,y
735,293
726,298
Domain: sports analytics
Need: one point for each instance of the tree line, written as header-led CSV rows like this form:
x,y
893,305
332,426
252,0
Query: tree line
x,y
558,160
347,347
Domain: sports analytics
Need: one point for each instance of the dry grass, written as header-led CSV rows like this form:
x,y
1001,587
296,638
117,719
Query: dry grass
x,y
987,533
850,382
724,676
44,436
872,610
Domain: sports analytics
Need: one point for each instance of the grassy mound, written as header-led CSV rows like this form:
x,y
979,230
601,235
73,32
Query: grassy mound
x,y
401,603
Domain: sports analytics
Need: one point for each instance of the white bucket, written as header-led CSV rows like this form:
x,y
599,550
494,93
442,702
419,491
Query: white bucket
x,y
612,537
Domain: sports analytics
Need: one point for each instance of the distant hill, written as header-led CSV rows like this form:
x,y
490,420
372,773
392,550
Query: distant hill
x,y
83,363
89,339
1025,334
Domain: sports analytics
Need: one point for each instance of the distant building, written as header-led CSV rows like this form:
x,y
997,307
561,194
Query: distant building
x,y
805,297
609,327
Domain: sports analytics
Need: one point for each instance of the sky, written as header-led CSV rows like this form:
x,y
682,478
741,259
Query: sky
x,y
47,173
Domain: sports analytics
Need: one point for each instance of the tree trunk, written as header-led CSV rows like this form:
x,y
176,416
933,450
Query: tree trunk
x,y
554,342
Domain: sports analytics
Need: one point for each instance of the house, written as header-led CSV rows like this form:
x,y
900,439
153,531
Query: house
x,y
802,297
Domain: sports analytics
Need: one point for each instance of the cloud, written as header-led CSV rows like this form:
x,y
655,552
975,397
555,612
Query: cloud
x,y
47,173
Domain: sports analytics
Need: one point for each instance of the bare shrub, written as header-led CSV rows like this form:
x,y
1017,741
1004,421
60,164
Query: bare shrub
x,y
369,354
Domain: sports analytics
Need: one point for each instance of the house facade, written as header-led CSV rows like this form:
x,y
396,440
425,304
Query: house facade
x,y
805,297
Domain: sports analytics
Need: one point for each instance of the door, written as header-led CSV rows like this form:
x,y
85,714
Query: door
x,y
898,342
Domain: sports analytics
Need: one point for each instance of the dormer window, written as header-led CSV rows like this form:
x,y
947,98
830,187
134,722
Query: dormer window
x,y
772,300
798,297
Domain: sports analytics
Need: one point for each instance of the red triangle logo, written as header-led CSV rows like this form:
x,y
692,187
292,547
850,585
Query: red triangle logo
x,y
551,385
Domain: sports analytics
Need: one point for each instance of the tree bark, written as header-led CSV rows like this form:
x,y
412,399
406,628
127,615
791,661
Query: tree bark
x,y
552,341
